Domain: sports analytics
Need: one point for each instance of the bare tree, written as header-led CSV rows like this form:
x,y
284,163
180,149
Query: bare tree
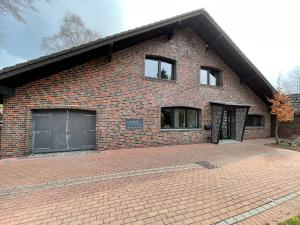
x,y
279,82
289,82
15,8
282,84
294,80
73,32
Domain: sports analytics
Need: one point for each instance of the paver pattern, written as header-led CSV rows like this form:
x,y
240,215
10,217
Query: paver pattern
x,y
161,185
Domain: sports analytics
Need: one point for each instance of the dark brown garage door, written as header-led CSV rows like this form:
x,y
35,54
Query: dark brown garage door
x,y
63,130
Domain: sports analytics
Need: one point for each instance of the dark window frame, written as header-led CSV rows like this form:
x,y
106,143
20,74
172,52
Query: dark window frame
x,y
219,82
186,117
161,59
262,121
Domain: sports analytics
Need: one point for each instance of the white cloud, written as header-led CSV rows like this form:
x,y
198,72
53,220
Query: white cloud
x,y
7,59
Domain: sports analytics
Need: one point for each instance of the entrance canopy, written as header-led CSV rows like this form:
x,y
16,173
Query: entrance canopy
x,y
228,120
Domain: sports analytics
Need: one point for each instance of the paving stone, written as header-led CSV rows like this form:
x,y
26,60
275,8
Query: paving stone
x,y
246,215
230,220
92,179
253,212
272,204
260,209
239,217
154,185
267,206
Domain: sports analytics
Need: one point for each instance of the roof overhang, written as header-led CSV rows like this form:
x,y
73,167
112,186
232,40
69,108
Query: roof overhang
x,y
200,21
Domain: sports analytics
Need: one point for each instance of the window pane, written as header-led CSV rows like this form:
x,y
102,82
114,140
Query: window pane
x,y
166,71
214,77
192,118
203,76
151,68
179,117
254,121
167,118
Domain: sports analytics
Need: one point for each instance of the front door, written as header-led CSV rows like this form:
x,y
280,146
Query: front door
x,y
225,131
228,121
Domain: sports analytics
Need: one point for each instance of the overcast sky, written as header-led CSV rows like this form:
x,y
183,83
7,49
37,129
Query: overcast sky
x,y
268,31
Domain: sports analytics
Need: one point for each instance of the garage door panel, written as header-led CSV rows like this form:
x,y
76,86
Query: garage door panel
x,y
91,137
75,125
88,138
89,121
88,131
59,123
80,122
42,140
43,121
63,130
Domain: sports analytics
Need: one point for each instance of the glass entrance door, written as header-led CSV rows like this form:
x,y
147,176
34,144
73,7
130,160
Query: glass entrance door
x,y
228,121
225,131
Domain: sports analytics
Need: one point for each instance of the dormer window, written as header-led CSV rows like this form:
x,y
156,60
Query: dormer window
x,y
209,76
160,68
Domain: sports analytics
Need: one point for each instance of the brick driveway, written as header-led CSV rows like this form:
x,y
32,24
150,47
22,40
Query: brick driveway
x,y
245,183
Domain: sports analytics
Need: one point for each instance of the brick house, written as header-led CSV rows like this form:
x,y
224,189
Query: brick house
x,y
178,81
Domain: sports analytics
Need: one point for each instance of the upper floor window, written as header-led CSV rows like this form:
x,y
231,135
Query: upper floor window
x,y
180,118
255,121
160,68
208,76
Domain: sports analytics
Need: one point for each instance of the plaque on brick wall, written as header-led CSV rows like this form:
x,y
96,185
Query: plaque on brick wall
x,y
134,124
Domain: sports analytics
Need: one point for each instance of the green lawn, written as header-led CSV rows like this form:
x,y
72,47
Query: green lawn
x,y
293,221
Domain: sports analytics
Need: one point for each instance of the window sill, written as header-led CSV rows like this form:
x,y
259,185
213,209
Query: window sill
x,y
210,86
250,128
183,130
159,80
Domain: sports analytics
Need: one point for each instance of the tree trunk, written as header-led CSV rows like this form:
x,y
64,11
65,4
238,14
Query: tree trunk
x,y
276,131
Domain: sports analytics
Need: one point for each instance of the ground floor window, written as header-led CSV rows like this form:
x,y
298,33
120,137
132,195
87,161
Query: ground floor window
x,y
255,121
179,118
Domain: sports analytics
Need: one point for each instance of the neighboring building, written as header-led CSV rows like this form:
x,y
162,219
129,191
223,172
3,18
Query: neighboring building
x,y
177,81
289,129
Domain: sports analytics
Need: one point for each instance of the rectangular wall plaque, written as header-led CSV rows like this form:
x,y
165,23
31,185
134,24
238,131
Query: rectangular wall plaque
x,y
134,124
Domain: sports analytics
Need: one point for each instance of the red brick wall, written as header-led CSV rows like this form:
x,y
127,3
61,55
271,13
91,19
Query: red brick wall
x,y
118,90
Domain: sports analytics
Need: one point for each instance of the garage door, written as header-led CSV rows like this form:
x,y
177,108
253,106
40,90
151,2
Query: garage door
x,y
63,130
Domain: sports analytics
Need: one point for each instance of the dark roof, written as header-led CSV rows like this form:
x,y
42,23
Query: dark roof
x,y
295,100
199,20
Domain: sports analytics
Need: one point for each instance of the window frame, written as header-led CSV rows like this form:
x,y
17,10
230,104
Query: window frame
x,y
186,119
262,119
161,59
219,84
